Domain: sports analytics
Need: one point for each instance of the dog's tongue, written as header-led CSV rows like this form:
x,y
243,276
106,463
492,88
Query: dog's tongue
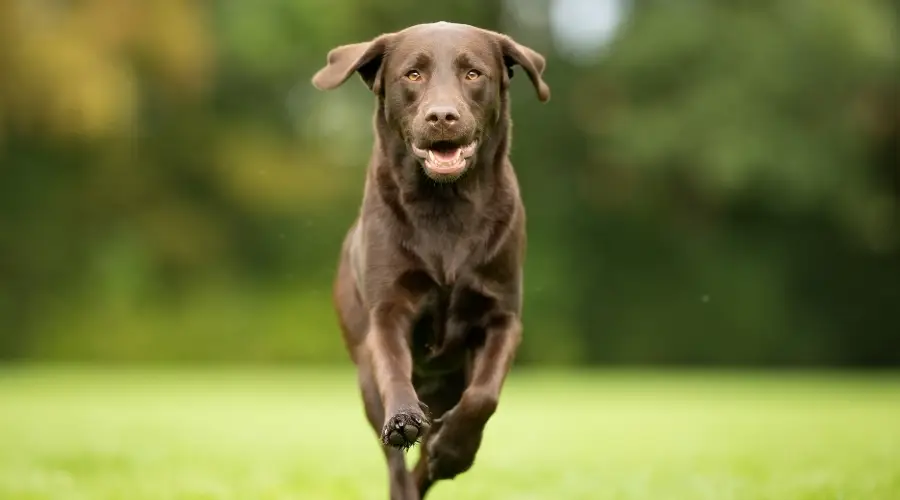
x,y
447,154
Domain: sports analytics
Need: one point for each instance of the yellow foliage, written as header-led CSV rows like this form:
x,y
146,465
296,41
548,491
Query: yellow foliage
x,y
182,234
176,37
264,173
69,70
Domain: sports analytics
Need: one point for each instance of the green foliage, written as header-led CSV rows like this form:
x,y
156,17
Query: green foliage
x,y
769,96
719,185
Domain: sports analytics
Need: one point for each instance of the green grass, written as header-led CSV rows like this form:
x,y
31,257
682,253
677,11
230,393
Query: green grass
x,y
98,434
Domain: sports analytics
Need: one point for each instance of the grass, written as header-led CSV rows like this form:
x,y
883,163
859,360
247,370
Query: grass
x,y
170,434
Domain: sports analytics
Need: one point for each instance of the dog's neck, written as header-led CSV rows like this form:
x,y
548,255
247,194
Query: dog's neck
x,y
407,178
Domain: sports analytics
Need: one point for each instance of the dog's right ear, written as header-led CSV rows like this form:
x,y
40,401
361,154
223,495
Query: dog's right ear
x,y
364,58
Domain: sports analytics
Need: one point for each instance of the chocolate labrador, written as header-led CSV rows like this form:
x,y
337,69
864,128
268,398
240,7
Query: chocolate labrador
x,y
429,286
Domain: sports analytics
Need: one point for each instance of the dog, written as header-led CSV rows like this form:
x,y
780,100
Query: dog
x,y
428,290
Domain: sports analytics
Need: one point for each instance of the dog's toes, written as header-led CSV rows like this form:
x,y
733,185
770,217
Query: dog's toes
x,y
404,430
410,433
396,440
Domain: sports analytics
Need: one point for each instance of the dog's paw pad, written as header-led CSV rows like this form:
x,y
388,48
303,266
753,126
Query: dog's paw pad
x,y
404,430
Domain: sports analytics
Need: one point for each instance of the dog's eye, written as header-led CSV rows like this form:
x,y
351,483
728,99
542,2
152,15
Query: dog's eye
x,y
473,75
414,76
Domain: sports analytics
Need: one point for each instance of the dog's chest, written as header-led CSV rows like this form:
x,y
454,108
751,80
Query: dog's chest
x,y
443,255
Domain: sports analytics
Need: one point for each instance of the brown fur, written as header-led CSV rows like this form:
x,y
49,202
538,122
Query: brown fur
x,y
429,286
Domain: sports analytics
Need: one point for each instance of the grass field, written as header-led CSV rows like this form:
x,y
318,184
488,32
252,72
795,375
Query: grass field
x,y
98,434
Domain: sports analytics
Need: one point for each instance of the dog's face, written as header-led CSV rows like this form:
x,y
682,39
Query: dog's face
x,y
442,88
441,85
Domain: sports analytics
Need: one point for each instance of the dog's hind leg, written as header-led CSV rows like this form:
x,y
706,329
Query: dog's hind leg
x,y
440,393
401,483
420,476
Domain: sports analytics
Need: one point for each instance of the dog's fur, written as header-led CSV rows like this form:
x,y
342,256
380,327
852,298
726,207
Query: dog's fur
x,y
429,286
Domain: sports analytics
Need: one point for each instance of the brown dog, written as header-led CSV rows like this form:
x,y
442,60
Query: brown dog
x,y
429,287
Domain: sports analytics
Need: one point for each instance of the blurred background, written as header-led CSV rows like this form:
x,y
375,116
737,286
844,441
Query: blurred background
x,y
712,183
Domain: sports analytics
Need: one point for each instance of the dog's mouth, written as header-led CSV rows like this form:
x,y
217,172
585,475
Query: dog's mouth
x,y
445,158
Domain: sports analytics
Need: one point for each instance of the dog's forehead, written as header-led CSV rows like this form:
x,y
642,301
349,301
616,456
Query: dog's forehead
x,y
444,37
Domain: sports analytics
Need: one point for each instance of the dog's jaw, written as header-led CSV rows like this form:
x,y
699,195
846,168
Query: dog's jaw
x,y
445,164
395,144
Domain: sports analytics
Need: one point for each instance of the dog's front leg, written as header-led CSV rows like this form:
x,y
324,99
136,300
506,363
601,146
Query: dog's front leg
x,y
458,437
388,346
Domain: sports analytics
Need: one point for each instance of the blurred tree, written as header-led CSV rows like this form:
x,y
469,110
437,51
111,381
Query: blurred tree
x,y
731,140
717,185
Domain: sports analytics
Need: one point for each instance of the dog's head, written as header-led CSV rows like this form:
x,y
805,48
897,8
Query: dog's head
x,y
441,85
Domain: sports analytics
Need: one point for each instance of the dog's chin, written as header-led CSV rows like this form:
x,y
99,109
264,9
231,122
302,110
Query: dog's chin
x,y
446,163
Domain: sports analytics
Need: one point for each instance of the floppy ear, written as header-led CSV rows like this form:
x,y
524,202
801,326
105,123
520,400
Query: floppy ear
x,y
532,62
364,58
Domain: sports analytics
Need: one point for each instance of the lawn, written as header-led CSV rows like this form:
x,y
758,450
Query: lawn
x,y
173,434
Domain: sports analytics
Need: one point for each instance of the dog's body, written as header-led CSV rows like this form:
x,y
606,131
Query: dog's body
x,y
429,286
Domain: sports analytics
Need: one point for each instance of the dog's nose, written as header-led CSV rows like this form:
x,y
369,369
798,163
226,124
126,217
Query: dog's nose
x,y
442,115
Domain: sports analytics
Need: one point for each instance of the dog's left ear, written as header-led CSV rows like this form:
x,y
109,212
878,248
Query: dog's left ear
x,y
364,58
531,61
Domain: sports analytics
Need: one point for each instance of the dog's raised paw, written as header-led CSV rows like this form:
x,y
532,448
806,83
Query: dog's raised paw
x,y
448,463
452,451
404,429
